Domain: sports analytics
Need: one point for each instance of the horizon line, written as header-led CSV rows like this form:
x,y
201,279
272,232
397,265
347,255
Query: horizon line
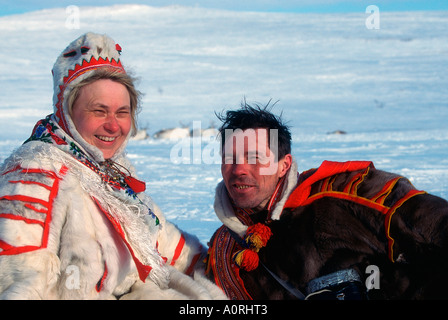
x,y
305,10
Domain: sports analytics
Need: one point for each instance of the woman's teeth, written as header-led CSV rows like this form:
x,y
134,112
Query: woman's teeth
x,y
107,139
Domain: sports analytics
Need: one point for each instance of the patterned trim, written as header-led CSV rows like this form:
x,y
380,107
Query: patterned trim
x,y
350,192
223,246
45,209
225,272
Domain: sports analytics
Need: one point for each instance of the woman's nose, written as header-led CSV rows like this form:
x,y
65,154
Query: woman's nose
x,y
111,124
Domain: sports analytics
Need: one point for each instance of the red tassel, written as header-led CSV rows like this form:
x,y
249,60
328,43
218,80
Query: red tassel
x,y
258,235
136,185
246,259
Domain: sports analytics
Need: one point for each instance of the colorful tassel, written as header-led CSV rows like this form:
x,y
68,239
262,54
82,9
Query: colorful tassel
x,y
246,259
257,236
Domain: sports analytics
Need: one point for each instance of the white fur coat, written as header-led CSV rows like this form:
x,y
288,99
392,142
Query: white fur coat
x,y
62,236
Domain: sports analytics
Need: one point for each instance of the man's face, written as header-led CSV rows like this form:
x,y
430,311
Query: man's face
x,y
250,169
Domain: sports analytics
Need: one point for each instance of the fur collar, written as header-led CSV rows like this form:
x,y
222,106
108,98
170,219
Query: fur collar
x,y
225,212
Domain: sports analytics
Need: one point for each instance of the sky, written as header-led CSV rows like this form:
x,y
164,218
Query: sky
x,y
8,7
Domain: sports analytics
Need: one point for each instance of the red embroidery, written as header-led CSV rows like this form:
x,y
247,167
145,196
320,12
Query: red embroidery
x,y
46,211
178,251
100,283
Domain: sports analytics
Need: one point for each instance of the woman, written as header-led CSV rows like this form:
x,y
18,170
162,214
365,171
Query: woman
x,y
74,219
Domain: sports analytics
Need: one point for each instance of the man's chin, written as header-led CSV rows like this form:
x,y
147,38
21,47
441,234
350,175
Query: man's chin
x,y
245,203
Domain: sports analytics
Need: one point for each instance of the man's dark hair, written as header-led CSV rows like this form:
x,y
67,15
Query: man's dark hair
x,y
255,117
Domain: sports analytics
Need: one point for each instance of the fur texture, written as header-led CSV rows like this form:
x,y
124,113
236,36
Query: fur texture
x,y
330,234
84,256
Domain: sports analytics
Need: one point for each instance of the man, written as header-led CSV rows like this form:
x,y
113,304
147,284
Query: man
x,y
315,235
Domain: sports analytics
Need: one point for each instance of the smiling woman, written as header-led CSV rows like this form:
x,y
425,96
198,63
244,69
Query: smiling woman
x,y
114,75
102,115
71,206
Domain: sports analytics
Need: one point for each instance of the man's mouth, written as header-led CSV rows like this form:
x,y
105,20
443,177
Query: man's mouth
x,y
106,139
242,186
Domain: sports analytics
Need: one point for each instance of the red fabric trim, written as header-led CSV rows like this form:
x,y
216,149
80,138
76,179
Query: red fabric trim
x,y
30,206
195,259
5,246
143,270
11,250
389,215
276,194
22,198
301,195
327,169
346,196
20,218
53,193
352,186
17,167
91,65
381,196
100,283
54,188
48,173
178,251
226,274
31,182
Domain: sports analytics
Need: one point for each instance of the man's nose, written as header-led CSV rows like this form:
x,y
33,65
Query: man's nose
x,y
239,169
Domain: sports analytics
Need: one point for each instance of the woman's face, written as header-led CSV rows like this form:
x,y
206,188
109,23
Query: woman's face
x,y
102,115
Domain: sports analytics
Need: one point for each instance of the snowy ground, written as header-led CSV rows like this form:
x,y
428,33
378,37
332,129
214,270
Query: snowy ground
x,y
386,88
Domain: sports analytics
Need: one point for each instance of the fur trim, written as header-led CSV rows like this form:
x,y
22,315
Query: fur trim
x,y
180,287
290,185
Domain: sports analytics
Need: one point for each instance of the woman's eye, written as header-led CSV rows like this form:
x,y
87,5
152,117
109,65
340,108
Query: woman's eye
x,y
99,112
123,114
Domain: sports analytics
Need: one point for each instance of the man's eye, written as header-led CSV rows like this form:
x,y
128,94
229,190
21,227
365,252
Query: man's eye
x,y
252,159
228,160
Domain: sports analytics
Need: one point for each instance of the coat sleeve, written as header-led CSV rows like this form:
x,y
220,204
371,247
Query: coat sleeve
x,y
178,248
27,267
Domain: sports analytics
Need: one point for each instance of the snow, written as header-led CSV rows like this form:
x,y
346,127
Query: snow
x,y
386,88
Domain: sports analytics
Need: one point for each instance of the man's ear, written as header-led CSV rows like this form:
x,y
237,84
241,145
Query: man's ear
x,y
284,164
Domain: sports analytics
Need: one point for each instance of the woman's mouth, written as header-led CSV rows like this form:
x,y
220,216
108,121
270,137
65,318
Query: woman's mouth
x,y
106,139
